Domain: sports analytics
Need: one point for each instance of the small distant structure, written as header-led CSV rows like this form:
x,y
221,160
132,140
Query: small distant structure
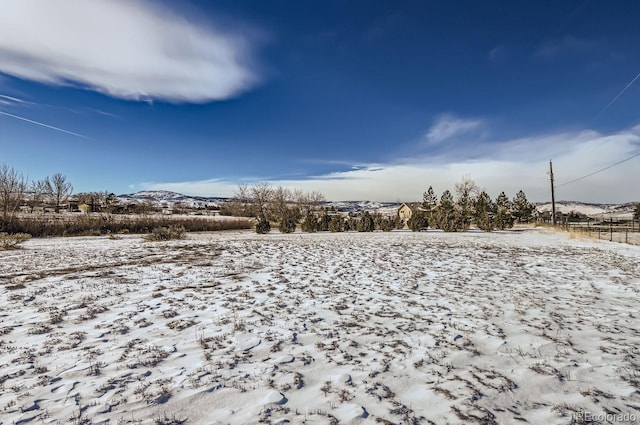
x,y
85,208
405,212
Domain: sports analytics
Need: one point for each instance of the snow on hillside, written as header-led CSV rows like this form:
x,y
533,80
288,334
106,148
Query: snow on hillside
x,y
168,199
591,210
400,327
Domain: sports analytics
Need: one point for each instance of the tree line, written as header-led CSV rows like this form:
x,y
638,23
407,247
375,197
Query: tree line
x,y
290,208
18,193
471,205
280,205
16,189
287,209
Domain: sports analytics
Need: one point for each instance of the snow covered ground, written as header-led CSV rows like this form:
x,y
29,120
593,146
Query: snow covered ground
x,y
509,327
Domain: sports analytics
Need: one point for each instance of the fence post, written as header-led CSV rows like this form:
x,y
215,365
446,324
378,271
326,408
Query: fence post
x,y
626,234
610,230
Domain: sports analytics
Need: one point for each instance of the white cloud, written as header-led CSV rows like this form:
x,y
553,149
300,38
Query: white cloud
x,y
447,127
520,164
126,49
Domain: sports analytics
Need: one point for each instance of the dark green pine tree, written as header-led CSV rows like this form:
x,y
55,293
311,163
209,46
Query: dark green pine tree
x,y
504,218
336,224
418,221
429,204
288,221
310,223
366,223
323,223
446,217
484,212
522,209
263,226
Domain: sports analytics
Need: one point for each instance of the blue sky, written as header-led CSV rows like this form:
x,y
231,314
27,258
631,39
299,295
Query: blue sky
x,y
358,99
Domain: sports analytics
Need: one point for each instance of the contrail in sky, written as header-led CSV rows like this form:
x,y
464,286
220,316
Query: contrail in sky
x,y
617,96
43,124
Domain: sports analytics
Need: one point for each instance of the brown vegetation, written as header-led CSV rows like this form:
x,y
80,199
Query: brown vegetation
x,y
44,225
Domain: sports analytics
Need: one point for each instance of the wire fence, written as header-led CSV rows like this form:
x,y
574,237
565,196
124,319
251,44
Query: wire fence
x,y
623,231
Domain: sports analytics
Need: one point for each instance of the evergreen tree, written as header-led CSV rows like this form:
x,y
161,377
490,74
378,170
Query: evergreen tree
x,y
429,204
484,212
289,220
350,224
310,223
522,209
366,223
336,224
323,223
388,224
378,220
418,221
636,213
446,217
503,219
263,226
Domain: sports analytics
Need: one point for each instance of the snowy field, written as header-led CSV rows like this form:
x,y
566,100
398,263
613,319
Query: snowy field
x,y
430,328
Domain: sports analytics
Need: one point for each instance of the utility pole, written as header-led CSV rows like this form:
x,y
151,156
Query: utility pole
x,y
553,196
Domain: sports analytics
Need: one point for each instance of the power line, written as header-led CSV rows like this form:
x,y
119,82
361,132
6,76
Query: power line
x,y
595,117
600,170
617,96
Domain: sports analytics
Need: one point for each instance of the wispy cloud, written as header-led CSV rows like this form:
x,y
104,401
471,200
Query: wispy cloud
x,y
497,54
447,127
131,50
12,100
41,124
509,166
568,44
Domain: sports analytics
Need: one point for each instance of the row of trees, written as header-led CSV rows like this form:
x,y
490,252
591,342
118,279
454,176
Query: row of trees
x,y
279,205
470,205
288,208
16,189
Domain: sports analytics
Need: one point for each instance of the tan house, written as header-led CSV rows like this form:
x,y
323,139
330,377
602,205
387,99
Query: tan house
x,y
404,214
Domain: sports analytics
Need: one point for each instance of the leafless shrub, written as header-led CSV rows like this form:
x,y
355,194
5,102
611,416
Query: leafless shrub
x,y
180,324
8,241
39,329
56,316
166,233
45,225
169,420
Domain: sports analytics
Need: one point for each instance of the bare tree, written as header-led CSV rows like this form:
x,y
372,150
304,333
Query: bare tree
x,y
12,187
466,192
37,191
260,195
309,201
280,199
239,205
94,200
241,194
59,188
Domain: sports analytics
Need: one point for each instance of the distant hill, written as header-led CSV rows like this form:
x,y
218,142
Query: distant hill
x,y
165,198
591,209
